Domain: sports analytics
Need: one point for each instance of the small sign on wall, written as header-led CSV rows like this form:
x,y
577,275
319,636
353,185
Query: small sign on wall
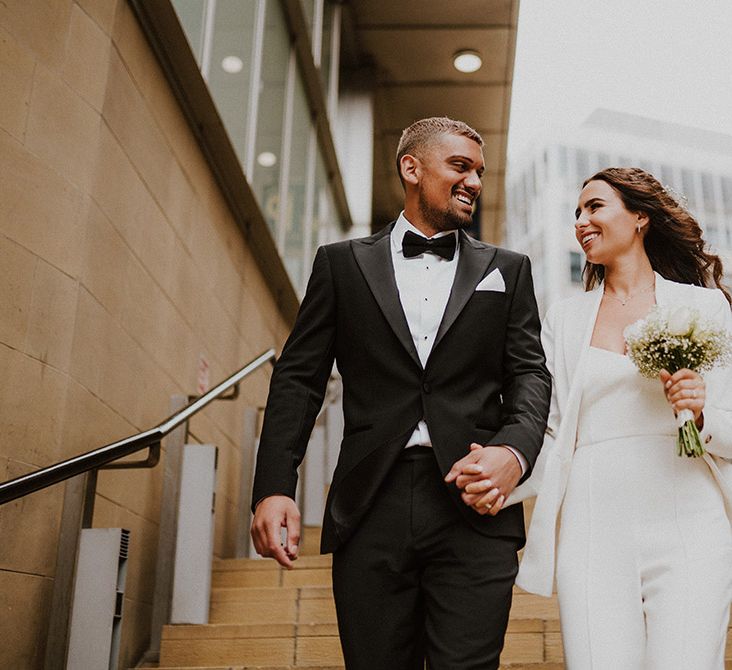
x,y
202,377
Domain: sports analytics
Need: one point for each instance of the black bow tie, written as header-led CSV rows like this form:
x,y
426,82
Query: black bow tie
x,y
414,245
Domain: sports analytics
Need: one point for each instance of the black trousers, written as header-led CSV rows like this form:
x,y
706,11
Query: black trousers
x,y
416,582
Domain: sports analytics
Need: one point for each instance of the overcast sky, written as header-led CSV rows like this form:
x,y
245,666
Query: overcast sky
x,y
664,59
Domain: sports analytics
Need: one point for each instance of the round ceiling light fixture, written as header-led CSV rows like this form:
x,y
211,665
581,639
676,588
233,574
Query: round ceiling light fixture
x,y
467,60
232,64
267,159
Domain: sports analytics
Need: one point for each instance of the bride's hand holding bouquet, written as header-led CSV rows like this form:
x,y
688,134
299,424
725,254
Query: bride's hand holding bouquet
x,y
677,345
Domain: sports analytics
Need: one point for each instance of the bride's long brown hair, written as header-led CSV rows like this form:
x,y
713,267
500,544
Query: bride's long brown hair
x,y
673,240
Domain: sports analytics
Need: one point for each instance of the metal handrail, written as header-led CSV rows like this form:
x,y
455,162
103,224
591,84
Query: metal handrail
x,y
93,460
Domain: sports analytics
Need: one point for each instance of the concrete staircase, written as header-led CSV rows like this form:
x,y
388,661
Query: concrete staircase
x,y
267,618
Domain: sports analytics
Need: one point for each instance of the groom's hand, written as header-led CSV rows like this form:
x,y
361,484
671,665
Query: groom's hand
x,y
487,475
271,515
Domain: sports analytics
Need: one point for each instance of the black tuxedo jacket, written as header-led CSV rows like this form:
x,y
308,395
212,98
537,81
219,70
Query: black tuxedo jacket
x,y
485,380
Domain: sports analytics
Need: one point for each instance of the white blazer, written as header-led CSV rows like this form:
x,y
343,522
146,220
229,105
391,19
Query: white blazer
x,y
566,335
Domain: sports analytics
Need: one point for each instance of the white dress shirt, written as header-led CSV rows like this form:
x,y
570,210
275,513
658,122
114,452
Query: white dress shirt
x,y
424,283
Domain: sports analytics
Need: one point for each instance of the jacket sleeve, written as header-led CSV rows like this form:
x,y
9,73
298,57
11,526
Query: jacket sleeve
x,y
297,387
526,382
717,432
530,486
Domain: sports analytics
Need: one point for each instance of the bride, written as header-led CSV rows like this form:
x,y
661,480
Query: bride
x,y
644,553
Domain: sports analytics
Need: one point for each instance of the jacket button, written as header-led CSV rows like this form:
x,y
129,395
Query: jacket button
x,y
708,439
426,387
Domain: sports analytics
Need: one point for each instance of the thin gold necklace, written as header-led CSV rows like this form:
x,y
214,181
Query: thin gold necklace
x,y
630,296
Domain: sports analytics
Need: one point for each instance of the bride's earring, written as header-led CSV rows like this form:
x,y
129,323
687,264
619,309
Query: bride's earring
x,y
637,228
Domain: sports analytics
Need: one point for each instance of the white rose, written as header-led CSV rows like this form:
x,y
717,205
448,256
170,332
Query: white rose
x,y
680,321
634,331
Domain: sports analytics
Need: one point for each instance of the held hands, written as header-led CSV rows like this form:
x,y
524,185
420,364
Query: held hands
x,y
486,476
685,389
270,516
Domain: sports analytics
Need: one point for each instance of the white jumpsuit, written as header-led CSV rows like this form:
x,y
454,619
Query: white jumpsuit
x,y
644,559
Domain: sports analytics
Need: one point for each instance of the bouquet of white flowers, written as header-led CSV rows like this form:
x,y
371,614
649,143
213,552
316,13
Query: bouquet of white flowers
x,y
672,339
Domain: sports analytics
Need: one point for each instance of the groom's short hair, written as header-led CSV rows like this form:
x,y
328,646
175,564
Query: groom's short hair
x,y
421,134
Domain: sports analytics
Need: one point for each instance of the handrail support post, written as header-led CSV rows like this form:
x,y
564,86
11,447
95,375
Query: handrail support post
x,y
73,517
90,494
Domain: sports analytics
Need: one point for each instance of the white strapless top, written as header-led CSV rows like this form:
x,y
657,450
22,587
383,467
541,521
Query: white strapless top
x,y
618,402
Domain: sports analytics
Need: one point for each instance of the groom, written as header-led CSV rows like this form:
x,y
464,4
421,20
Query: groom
x,y
436,337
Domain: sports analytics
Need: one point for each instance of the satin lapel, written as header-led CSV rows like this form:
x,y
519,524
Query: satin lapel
x,y
577,337
373,256
664,291
472,265
577,341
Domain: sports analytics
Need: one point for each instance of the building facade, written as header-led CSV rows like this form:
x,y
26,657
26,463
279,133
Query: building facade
x,y
543,186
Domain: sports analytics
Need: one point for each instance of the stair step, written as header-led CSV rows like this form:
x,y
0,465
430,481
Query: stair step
x,y
247,667
512,666
319,561
310,645
263,617
509,666
246,579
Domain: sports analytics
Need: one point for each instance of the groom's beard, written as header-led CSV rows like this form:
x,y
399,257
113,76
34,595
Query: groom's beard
x,y
449,218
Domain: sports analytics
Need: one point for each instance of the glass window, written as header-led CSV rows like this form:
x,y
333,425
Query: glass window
x,y
687,187
333,229
710,201
575,267
727,194
572,167
265,179
711,233
667,176
230,66
192,15
325,53
329,226
583,164
322,214
647,166
308,8
526,195
563,161
295,211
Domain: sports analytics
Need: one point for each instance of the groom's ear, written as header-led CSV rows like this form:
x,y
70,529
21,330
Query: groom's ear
x,y
410,169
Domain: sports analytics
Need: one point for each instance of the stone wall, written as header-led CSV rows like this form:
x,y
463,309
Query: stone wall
x,y
120,266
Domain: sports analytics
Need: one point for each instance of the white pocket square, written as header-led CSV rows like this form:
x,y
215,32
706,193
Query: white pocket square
x,y
493,282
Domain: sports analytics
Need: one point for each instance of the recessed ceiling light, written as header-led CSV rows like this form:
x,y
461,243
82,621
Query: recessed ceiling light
x,y
267,159
467,61
232,64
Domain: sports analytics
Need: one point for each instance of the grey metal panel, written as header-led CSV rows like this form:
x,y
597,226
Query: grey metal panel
x,y
194,549
98,597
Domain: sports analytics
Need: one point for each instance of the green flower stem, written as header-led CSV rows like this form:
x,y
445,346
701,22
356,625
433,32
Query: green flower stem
x,y
688,442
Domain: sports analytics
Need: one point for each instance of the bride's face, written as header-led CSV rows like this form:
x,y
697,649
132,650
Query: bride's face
x,y
604,228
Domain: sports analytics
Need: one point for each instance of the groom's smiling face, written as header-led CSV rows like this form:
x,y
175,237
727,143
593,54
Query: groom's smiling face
x,y
450,181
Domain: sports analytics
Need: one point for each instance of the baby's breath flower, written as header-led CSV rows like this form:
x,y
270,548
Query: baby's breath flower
x,y
675,339
653,346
